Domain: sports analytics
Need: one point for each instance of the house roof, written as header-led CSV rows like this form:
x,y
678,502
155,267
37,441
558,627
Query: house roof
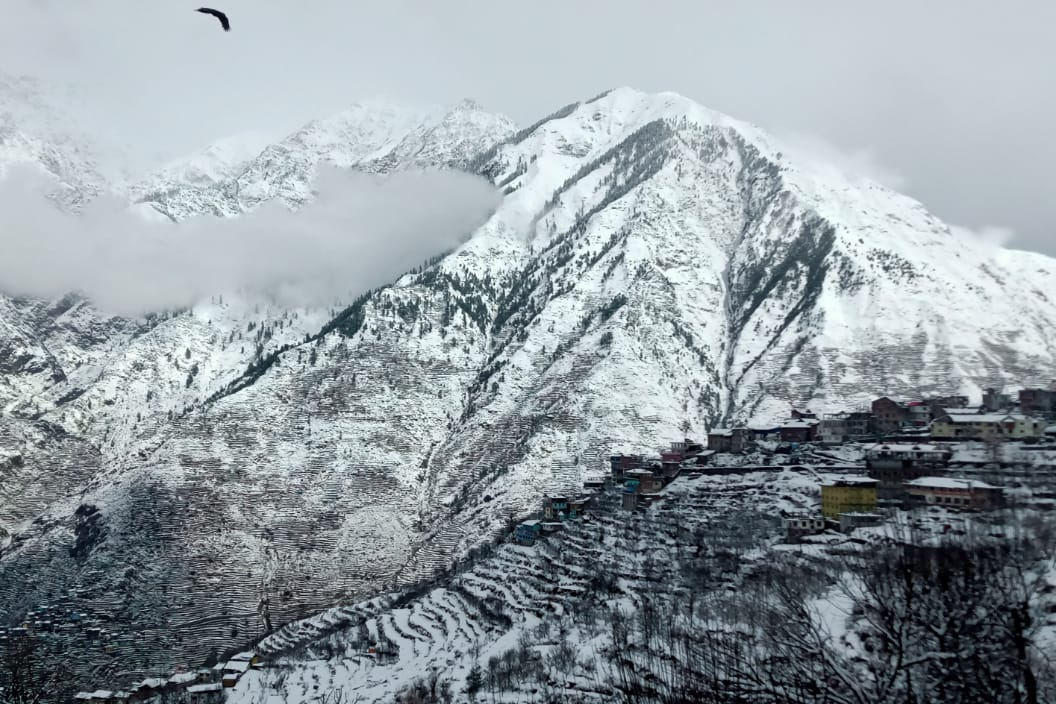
x,y
948,483
181,677
211,687
798,423
236,666
905,447
985,417
244,655
851,481
531,524
725,432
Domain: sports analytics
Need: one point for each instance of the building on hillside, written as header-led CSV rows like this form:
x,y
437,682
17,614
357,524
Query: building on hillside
x,y
727,439
889,415
555,508
182,678
1037,402
803,415
918,414
832,430
1050,432
848,495
955,493
853,519
987,427
893,464
647,481
687,448
640,487
630,495
528,532
996,401
948,402
550,527
207,693
578,506
147,689
799,430
765,433
799,525
595,484
247,656
233,671
620,464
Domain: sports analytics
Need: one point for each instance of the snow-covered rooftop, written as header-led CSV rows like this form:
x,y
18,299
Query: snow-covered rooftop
x,y
182,677
211,687
986,418
905,447
948,483
850,481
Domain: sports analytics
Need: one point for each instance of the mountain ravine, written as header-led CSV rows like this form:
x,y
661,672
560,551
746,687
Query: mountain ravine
x,y
655,269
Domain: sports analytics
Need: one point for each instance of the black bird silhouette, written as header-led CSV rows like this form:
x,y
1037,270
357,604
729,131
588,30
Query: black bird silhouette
x,y
218,15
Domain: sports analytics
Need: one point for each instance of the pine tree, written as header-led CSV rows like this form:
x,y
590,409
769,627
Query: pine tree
x,y
474,681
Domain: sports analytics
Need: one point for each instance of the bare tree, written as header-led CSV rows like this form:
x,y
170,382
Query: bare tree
x,y
25,678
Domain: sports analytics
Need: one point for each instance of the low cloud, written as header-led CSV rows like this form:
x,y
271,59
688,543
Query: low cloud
x,y
992,235
858,162
360,231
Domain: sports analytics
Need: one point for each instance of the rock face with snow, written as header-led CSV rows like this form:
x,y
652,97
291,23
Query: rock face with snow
x,y
654,269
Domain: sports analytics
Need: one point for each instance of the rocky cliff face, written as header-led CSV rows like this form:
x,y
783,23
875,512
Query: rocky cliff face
x,y
654,269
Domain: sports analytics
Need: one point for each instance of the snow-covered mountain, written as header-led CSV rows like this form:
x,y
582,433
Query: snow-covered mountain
x,y
373,136
655,268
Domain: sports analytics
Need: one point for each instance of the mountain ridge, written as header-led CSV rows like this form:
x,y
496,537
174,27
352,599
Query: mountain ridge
x,y
654,267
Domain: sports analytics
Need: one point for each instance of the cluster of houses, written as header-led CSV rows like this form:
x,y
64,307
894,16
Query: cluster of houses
x,y
202,686
898,475
556,511
1031,418
640,478
906,462
56,624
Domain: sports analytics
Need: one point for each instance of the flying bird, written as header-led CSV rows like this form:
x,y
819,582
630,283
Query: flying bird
x,y
218,15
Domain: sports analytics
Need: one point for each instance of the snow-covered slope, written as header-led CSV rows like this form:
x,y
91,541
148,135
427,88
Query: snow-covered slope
x,y
655,267
375,136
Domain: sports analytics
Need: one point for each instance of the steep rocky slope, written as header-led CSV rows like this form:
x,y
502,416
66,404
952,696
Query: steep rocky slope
x,y
653,266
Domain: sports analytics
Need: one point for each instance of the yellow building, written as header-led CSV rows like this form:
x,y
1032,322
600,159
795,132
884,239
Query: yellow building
x,y
848,495
988,427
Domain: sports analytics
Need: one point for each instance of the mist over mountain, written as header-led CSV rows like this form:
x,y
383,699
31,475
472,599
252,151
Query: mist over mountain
x,y
208,455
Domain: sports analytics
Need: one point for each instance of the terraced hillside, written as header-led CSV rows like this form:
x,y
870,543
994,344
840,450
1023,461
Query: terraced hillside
x,y
654,268
617,607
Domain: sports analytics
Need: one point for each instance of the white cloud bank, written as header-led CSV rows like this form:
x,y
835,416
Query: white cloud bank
x,y
359,232
855,162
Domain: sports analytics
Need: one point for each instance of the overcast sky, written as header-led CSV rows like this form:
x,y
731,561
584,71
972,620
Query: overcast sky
x,y
954,101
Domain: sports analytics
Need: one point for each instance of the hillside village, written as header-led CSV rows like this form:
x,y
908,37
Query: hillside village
x,y
914,454
899,455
